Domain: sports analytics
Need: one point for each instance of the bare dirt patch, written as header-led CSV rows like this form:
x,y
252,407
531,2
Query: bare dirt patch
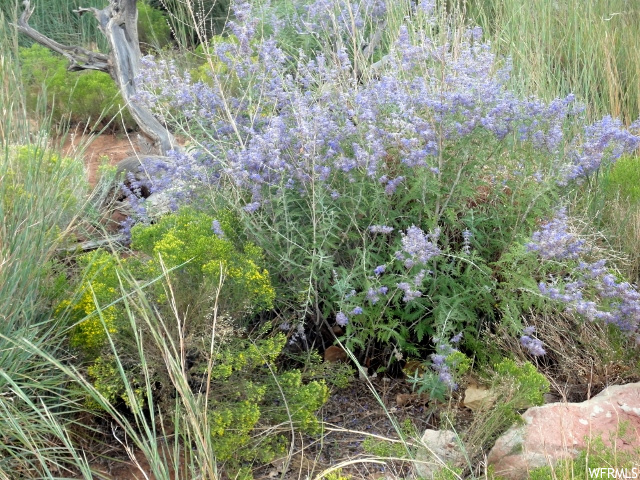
x,y
373,409
97,149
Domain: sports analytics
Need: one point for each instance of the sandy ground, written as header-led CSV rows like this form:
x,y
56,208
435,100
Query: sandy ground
x,y
96,149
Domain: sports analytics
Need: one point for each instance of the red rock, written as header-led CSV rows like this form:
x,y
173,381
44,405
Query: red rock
x,y
558,430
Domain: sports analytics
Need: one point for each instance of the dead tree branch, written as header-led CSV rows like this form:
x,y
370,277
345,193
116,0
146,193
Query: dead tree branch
x,y
119,24
79,58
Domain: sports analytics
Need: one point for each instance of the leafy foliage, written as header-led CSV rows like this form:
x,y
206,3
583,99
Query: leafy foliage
x,y
248,395
522,385
211,282
624,179
184,248
88,97
201,261
390,204
90,313
513,387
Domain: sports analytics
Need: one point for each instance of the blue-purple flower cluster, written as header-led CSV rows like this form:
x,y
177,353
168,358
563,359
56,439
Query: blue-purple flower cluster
x,y
417,247
374,294
466,241
605,140
323,134
531,344
439,361
319,126
331,16
591,290
554,241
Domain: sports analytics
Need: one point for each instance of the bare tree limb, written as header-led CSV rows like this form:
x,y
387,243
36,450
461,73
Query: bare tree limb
x,y
95,244
79,58
119,24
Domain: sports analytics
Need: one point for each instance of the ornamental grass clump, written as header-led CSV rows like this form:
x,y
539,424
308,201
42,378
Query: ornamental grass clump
x,y
175,321
335,166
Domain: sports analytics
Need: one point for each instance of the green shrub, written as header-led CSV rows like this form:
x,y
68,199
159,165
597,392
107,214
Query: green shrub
x,y
107,380
521,386
247,394
194,259
41,192
209,283
89,312
90,97
430,381
513,387
336,475
200,261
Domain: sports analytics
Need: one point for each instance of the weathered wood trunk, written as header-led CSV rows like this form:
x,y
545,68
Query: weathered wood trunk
x,y
119,23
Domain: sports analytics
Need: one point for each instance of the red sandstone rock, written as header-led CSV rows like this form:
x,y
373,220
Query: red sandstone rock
x,y
558,430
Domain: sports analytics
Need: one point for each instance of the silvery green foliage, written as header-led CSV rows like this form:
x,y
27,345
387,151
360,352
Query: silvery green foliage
x,y
381,199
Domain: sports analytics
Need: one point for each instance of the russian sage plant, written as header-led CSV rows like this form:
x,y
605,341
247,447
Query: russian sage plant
x,y
587,287
383,198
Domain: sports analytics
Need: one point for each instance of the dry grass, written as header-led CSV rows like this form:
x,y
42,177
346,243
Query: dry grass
x,y
582,357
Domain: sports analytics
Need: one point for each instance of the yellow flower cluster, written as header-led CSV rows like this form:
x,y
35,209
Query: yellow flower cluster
x,y
201,259
254,283
90,313
90,332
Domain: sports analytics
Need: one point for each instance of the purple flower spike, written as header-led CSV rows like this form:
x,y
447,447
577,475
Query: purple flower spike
x,y
554,241
217,229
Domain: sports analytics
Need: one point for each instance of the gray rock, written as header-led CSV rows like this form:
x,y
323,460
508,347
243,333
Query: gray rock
x,y
441,449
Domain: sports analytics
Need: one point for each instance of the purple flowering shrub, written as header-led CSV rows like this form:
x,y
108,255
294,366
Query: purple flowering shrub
x,y
587,287
309,26
386,199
